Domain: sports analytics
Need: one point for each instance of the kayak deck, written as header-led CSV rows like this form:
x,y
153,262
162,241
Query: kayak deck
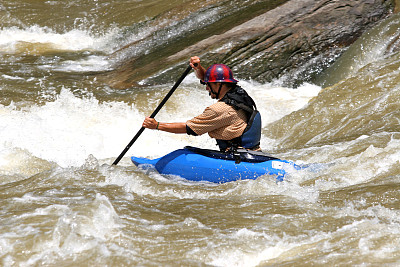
x,y
198,164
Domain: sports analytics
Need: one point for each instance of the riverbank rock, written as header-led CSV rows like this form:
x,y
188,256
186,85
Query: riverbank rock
x,y
293,42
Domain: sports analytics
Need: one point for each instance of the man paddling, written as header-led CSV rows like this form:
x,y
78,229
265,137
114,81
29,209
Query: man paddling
x,y
233,121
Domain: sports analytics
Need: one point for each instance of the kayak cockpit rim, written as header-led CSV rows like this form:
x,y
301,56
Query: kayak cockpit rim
x,y
243,154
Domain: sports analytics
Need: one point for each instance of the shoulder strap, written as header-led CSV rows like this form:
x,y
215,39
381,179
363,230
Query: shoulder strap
x,y
239,99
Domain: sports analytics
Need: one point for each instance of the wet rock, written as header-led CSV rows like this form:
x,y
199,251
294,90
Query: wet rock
x,y
293,42
394,45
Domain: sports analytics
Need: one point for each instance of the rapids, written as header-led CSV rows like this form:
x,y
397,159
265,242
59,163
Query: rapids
x,y
63,204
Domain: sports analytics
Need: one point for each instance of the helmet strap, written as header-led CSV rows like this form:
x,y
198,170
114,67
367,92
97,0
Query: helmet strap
x,y
219,90
213,92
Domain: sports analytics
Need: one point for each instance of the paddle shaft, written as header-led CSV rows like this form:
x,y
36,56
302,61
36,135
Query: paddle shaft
x,y
178,82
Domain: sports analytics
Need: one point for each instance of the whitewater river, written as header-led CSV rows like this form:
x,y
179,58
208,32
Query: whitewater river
x,y
63,204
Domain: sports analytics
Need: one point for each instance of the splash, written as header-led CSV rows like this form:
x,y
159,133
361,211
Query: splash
x,y
67,130
40,40
70,128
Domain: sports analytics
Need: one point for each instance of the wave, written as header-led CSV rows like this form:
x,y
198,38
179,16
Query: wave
x,y
92,49
70,128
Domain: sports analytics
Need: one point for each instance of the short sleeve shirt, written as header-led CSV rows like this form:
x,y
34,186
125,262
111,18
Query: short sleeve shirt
x,y
220,121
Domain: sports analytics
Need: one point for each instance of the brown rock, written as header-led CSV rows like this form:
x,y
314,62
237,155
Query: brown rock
x,y
297,40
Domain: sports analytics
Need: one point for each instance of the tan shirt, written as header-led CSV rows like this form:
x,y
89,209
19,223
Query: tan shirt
x,y
220,121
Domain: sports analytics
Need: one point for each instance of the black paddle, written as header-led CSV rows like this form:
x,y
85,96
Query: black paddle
x,y
178,82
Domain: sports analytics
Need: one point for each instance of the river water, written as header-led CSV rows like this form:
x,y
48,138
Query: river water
x,y
63,204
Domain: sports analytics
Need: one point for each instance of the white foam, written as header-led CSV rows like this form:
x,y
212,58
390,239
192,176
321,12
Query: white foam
x,y
74,232
11,39
41,40
91,63
67,130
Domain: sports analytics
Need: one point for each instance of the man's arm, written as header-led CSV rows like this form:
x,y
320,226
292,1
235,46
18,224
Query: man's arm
x,y
173,127
198,70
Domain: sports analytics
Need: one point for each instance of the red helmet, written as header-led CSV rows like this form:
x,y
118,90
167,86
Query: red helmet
x,y
219,73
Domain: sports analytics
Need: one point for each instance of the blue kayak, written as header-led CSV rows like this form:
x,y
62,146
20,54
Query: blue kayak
x,y
198,164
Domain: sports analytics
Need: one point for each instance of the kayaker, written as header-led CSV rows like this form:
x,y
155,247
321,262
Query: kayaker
x,y
233,121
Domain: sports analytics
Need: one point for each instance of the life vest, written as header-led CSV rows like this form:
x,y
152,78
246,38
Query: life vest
x,y
250,139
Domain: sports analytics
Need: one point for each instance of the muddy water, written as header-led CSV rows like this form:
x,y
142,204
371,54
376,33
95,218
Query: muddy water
x,y
64,204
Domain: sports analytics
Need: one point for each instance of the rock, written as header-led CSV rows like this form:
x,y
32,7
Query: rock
x,y
294,42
